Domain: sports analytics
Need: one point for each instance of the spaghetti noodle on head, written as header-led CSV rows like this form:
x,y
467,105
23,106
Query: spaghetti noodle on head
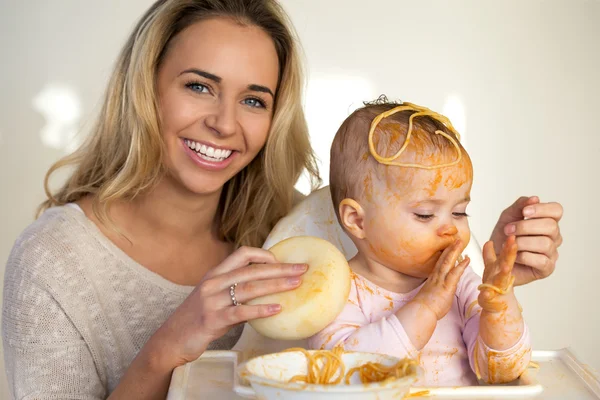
x,y
326,367
383,134
416,112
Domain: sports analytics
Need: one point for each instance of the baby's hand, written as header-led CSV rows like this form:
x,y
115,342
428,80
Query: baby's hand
x,y
497,276
439,289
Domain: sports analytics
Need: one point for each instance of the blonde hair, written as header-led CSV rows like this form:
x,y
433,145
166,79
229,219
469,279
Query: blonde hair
x,y
123,156
351,159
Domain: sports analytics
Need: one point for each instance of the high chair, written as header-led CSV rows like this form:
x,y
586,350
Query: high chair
x,y
315,216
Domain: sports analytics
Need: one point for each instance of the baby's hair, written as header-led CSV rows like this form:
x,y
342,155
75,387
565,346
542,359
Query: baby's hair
x,y
382,100
352,161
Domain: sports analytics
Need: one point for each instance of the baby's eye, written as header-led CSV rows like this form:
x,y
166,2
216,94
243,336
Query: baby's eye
x,y
460,214
424,217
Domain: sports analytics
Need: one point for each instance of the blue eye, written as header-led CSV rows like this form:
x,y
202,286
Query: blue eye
x,y
254,102
197,87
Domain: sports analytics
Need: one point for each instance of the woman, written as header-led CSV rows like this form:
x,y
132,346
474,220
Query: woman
x,y
195,153
144,258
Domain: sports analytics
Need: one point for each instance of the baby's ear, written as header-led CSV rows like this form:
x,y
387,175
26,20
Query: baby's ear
x,y
352,216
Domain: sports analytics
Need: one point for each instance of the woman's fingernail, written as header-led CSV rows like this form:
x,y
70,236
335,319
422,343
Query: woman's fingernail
x,y
528,211
300,267
293,281
274,308
510,229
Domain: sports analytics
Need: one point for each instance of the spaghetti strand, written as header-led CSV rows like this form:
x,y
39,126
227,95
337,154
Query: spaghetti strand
x,y
326,367
420,112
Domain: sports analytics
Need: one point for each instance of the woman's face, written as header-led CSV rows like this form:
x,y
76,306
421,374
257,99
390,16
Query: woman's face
x,y
216,88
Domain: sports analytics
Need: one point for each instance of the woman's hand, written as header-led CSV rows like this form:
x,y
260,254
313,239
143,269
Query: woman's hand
x,y
538,235
209,312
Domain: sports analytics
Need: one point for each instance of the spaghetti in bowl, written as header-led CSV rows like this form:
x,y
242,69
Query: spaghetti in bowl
x,y
298,374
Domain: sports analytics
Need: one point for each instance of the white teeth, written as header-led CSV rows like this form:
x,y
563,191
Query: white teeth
x,y
207,152
210,158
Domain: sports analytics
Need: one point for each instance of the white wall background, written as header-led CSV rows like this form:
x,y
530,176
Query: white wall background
x,y
519,78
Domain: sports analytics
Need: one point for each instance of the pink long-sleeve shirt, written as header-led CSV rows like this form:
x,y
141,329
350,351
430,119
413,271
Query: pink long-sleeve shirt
x,y
368,323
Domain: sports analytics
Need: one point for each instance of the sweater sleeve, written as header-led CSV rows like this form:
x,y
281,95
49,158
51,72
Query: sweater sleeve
x,y
45,355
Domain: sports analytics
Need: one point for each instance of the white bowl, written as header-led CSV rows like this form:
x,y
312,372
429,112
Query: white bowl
x,y
269,377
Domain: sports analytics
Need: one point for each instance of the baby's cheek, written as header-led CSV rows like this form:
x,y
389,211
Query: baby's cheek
x,y
408,245
387,244
465,236
382,251
416,249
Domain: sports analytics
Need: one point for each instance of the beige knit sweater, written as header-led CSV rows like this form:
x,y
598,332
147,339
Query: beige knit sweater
x,y
77,310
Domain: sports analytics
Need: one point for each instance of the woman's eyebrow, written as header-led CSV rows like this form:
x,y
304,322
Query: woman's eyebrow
x,y
204,74
260,88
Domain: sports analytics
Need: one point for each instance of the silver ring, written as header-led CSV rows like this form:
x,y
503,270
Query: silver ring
x,y
232,294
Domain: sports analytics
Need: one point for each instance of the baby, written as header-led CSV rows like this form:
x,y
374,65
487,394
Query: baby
x,y
401,182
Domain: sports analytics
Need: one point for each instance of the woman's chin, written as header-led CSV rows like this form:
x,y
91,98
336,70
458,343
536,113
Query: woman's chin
x,y
194,185
206,189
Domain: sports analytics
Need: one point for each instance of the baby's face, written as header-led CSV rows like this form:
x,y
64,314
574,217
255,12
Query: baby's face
x,y
414,214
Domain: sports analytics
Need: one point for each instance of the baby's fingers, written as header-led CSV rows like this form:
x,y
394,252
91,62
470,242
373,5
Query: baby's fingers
x,y
454,275
507,261
448,258
489,260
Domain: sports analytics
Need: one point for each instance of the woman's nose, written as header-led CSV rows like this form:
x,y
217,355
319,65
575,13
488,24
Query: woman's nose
x,y
223,119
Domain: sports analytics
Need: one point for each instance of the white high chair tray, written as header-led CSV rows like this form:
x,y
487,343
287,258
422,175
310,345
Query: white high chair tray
x,y
560,376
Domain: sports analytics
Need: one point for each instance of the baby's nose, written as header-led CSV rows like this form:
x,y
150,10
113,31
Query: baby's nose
x,y
447,230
